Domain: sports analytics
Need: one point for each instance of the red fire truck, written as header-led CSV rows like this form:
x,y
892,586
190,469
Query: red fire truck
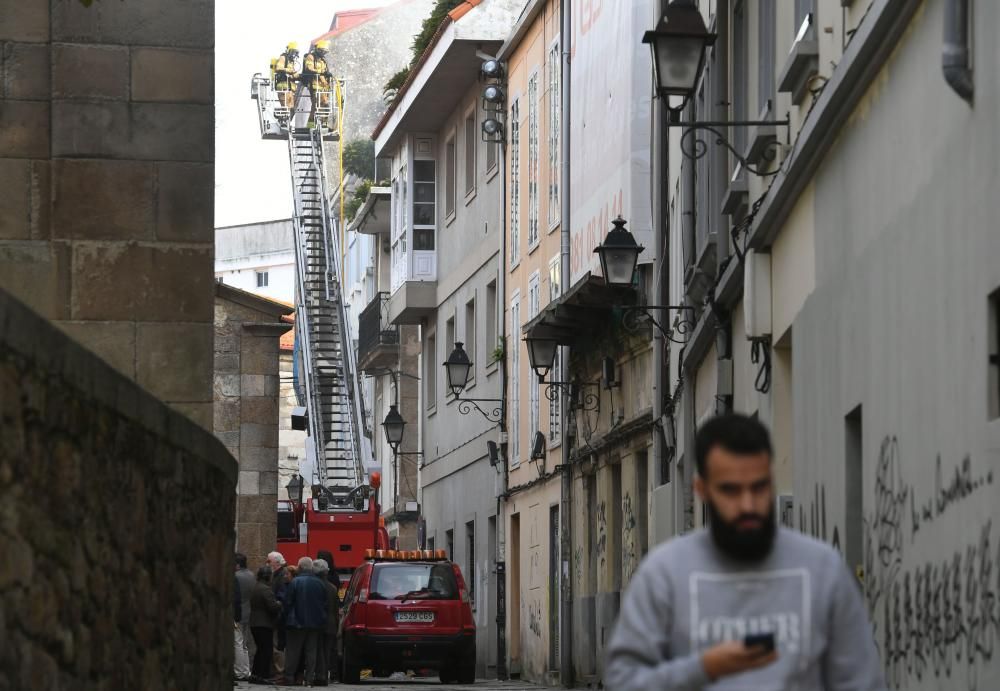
x,y
347,523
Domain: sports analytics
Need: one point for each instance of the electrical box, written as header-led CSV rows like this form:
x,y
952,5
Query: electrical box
x,y
757,294
724,386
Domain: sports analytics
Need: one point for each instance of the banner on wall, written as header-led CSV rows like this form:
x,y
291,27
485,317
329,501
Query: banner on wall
x,y
611,88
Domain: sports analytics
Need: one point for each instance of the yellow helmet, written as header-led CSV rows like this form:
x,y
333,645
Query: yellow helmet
x,y
323,45
274,61
292,46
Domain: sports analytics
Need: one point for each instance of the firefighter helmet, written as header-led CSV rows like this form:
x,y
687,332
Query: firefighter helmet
x,y
322,45
292,46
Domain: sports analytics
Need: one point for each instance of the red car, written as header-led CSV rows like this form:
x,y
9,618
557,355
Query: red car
x,y
408,611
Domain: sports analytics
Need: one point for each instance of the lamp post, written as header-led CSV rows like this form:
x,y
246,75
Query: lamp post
x,y
294,488
393,425
458,367
541,358
679,43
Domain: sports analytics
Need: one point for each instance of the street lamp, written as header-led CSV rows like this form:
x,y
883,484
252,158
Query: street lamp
x,y
619,255
679,44
294,488
393,424
541,354
458,366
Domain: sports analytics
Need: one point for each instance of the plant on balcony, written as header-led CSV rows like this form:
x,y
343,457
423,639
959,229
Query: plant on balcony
x,y
420,43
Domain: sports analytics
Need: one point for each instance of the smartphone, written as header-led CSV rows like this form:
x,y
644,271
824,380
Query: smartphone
x,y
760,639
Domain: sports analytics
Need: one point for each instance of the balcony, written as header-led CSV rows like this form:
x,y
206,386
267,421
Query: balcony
x,y
412,302
378,340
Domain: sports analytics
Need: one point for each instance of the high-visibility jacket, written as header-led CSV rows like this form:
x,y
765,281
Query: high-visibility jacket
x,y
285,66
315,68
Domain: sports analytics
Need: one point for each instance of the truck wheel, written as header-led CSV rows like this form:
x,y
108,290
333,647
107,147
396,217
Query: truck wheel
x,y
447,675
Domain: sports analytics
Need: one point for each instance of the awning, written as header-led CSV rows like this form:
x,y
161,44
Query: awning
x,y
584,307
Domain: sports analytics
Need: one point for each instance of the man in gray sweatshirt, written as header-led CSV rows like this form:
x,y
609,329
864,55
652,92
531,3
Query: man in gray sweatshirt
x,y
692,604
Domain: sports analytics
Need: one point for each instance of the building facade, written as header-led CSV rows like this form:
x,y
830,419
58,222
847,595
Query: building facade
x,y
443,242
258,258
855,298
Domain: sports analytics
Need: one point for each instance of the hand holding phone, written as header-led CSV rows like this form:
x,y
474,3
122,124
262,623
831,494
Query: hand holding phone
x,y
754,640
736,657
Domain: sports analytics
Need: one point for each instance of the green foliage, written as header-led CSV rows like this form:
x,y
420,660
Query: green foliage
x,y
498,352
420,43
352,205
359,158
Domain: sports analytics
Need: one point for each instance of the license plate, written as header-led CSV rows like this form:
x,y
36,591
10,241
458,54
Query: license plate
x,y
403,617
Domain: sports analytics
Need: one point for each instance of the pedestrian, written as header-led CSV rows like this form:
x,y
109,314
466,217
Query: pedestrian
x,y
279,583
247,582
264,611
241,662
742,604
305,610
332,656
328,638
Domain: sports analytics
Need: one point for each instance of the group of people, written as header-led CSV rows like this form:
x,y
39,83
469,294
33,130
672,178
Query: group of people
x,y
314,75
286,620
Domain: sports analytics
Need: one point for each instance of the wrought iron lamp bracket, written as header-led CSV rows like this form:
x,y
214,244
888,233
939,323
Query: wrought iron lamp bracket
x,y
693,146
588,400
678,332
493,412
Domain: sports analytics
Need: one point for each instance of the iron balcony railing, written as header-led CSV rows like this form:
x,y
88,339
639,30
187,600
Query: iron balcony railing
x,y
374,329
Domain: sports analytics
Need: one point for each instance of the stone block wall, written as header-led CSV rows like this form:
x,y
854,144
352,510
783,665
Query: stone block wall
x,y
247,332
106,167
115,525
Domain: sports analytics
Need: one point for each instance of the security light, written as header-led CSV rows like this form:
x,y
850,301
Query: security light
x,y
493,94
492,69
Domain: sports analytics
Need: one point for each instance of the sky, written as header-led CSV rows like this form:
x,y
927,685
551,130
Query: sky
x,y
252,180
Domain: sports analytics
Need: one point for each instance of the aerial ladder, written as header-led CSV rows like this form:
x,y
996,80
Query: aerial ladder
x,y
329,385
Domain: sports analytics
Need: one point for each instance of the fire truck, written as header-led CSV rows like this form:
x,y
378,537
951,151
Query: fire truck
x,y
342,515
348,524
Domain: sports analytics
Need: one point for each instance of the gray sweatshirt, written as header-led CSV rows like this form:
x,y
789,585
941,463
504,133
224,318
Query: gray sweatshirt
x,y
688,596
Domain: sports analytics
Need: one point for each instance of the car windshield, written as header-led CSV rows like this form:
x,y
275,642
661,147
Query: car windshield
x,y
413,581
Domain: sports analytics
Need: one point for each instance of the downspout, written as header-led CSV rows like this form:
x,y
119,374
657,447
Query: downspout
x,y
661,278
501,316
566,489
955,54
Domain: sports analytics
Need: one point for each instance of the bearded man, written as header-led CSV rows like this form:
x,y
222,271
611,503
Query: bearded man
x,y
742,604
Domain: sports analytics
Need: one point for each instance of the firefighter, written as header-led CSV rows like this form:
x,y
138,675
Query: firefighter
x,y
286,72
316,77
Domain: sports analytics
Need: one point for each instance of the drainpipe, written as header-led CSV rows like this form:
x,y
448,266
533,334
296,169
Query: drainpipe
x,y
501,316
661,277
566,490
955,57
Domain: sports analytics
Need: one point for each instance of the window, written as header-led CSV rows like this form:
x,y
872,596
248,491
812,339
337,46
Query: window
x,y
449,332
395,581
423,205
555,94
740,75
262,279
430,546
470,153
515,182
533,307
533,160
765,62
555,405
515,379
642,501
430,371
449,176
993,341
449,536
491,316
470,560
470,334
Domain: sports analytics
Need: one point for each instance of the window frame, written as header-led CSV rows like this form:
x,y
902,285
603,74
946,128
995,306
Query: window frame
x,y
534,161
471,155
514,217
554,134
515,380
451,177
534,307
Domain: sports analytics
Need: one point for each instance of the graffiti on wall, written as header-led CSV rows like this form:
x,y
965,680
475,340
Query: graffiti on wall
x,y
535,618
816,525
935,618
630,536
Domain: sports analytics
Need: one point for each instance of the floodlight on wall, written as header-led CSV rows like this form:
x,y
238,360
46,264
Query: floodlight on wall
x,y
493,451
538,453
493,94
491,69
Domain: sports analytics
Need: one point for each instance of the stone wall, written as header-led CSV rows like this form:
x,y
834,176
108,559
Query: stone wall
x,y
115,525
247,331
106,167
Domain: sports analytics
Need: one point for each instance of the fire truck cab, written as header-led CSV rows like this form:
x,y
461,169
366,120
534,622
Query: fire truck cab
x,y
346,522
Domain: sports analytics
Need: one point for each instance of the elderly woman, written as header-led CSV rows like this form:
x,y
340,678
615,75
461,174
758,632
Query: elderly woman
x,y
264,610
328,641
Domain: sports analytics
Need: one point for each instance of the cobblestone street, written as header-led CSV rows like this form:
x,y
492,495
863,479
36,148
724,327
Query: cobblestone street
x,y
400,683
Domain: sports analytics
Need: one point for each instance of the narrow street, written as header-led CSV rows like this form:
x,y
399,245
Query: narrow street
x,y
398,683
